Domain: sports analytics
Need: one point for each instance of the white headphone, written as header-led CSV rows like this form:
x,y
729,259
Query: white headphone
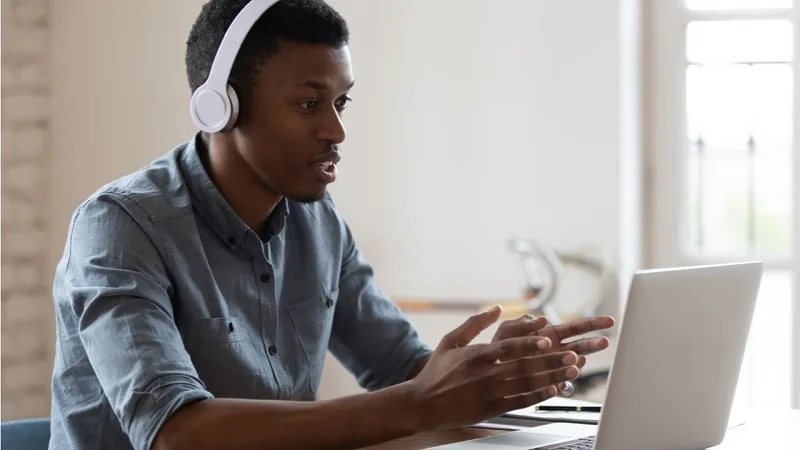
x,y
214,106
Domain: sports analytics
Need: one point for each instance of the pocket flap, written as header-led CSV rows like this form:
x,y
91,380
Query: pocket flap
x,y
215,330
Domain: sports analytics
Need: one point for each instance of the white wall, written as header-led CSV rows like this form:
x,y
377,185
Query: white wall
x,y
119,93
26,304
478,120
473,121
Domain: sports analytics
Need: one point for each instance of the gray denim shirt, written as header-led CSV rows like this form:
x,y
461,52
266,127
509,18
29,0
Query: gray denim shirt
x,y
164,296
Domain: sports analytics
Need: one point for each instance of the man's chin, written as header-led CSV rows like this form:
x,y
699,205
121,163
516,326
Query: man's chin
x,y
308,198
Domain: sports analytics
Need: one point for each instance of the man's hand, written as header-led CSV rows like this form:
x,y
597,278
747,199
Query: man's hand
x,y
463,384
556,335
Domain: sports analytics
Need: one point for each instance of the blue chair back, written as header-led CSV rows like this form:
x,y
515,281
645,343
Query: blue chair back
x,y
26,434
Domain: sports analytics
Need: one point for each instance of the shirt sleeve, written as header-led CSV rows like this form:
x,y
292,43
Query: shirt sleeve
x,y
116,283
371,336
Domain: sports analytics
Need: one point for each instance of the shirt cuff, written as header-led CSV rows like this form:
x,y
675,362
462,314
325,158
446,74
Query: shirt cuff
x,y
157,405
418,352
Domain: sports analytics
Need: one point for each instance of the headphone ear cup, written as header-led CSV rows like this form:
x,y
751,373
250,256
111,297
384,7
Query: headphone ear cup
x,y
214,111
234,102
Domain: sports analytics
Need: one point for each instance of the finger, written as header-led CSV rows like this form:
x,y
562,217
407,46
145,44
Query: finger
x,y
587,346
526,367
511,348
520,326
566,388
541,345
534,382
504,405
471,328
580,326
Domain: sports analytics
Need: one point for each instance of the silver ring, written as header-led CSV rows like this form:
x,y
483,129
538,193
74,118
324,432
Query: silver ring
x,y
568,390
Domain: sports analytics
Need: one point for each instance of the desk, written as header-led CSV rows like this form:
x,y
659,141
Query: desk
x,y
761,430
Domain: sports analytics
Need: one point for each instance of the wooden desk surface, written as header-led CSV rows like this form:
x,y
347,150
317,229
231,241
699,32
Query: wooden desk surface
x,y
778,430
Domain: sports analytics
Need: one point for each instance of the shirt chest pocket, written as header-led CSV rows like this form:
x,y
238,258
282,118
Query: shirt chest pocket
x,y
224,357
312,320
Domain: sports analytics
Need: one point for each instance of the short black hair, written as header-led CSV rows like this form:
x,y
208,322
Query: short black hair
x,y
296,21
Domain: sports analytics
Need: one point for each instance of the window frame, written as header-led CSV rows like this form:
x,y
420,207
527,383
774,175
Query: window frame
x,y
665,171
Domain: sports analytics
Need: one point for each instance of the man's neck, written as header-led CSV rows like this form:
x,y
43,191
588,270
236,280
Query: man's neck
x,y
239,184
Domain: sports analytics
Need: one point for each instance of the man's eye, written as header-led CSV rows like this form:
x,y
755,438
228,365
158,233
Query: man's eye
x,y
341,104
309,105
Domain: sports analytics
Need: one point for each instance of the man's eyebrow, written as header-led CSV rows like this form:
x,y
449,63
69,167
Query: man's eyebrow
x,y
321,86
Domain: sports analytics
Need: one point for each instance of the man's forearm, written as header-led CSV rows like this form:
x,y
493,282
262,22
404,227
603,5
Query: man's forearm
x,y
348,422
419,367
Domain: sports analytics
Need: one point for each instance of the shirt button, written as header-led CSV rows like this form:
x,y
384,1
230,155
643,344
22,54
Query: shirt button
x,y
264,278
329,302
231,241
272,350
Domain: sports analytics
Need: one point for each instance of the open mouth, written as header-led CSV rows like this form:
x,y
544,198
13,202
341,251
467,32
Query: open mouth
x,y
327,166
326,172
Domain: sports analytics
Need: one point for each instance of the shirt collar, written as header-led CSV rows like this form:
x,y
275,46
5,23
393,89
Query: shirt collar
x,y
215,209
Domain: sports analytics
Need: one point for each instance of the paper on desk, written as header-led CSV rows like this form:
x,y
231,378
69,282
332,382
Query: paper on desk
x,y
558,416
498,426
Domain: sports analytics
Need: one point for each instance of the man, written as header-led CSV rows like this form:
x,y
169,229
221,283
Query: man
x,y
196,298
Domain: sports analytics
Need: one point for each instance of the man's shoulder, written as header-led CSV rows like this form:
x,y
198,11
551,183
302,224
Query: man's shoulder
x,y
156,191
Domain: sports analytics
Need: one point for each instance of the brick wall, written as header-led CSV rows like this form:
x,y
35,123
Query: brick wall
x,y
26,281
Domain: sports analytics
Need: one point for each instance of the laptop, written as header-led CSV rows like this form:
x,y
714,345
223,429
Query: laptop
x,y
680,348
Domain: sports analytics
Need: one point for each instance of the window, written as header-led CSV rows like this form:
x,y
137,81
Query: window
x,y
705,5
724,164
739,123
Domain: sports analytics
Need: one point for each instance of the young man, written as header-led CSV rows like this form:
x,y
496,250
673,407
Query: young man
x,y
196,298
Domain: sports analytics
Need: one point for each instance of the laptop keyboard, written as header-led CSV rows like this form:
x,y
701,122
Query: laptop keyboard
x,y
578,444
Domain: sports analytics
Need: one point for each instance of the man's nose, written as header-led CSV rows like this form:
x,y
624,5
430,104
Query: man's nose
x,y
332,128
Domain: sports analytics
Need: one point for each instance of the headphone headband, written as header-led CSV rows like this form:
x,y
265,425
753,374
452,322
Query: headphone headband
x,y
232,41
214,105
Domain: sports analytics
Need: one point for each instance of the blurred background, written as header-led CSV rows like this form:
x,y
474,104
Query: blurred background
x,y
534,153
